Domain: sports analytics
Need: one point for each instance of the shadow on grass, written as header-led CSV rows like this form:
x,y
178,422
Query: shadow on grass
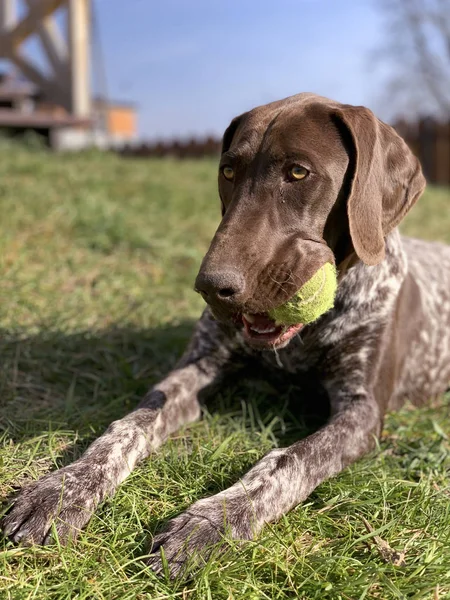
x,y
55,381
78,383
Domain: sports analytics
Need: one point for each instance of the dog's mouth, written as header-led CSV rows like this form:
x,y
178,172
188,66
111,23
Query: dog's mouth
x,y
260,331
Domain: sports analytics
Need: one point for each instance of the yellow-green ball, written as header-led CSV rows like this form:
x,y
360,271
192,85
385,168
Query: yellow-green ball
x,y
312,300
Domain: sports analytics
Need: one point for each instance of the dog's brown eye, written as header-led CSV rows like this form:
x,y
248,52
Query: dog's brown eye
x,y
297,172
228,172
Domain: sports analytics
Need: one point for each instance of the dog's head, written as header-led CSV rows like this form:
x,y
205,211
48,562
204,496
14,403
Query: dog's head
x,y
302,181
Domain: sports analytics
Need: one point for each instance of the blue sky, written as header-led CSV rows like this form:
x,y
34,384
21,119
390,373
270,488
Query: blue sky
x,y
191,65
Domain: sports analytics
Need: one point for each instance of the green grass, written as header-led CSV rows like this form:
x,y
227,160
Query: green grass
x,y
98,257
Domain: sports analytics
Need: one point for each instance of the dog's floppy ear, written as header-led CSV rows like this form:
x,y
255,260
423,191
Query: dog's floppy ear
x,y
385,180
230,131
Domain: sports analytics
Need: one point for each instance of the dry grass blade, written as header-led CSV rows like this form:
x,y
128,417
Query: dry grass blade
x,y
387,553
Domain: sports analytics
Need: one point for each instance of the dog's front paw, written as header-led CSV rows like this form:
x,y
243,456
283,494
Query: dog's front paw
x,y
189,539
63,500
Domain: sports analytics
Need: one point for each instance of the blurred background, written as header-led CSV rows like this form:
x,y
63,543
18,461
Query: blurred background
x,y
159,78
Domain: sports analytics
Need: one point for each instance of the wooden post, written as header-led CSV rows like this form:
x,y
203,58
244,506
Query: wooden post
x,y
79,57
8,15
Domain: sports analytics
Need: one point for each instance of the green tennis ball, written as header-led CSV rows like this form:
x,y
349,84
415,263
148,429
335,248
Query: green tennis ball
x,y
312,300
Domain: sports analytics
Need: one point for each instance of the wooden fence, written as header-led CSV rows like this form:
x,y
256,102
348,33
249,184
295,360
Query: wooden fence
x,y
428,139
193,148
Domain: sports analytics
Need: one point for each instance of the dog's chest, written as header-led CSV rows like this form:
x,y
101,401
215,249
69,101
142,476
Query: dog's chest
x,y
296,358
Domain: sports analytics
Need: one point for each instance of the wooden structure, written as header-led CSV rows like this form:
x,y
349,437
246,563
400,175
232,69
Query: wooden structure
x,y
60,105
68,83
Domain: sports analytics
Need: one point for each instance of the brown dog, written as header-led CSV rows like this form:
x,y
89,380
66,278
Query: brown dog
x,y
302,181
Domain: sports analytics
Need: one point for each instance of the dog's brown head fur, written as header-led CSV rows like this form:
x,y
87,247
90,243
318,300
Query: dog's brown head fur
x,y
302,181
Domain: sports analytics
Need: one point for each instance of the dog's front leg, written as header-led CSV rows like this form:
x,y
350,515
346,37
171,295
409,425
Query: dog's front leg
x,y
68,497
282,479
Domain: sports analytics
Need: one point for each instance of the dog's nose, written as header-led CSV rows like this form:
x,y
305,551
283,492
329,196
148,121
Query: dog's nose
x,y
220,285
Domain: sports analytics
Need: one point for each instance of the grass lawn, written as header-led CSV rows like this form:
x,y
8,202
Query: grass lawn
x,y
98,257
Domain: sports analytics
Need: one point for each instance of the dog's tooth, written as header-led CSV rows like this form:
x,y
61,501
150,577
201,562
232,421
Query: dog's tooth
x,y
250,318
266,330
